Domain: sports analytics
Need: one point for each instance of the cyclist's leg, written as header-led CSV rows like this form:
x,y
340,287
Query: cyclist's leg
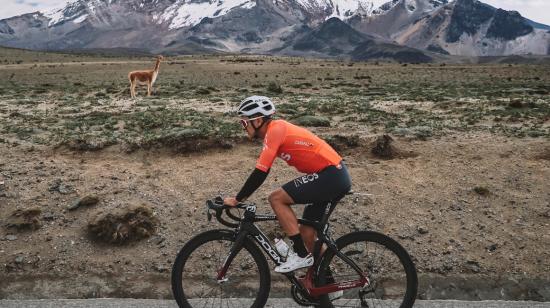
x,y
280,203
309,235
313,212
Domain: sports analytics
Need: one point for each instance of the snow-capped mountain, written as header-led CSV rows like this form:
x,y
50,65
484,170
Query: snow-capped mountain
x,y
174,25
178,14
393,16
462,27
411,5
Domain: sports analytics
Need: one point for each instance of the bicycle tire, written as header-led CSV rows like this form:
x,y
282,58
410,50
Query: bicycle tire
x,y
219,235
377,239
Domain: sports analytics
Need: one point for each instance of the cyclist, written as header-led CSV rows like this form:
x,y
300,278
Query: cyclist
x,y
326,177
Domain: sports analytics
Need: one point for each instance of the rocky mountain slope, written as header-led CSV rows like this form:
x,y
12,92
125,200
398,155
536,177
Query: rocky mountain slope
x,y
393,16
335,37
461,27
472,28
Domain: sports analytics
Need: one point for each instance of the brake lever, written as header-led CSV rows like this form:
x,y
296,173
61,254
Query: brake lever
x,y
208,214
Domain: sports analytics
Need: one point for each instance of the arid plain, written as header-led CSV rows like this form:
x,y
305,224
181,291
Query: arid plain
x,y
463,184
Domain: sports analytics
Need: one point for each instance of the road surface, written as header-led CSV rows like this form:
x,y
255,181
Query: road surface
x,y
281,302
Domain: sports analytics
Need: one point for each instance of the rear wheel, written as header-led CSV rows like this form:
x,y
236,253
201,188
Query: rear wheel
x,y
387,265
194,282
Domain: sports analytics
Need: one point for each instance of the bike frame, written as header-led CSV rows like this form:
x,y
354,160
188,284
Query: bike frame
x,y
305,284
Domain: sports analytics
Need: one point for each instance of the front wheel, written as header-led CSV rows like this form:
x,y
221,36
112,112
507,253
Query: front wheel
x,y
194,282
392,275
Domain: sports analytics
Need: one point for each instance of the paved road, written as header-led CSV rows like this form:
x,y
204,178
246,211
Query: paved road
x,y
286,303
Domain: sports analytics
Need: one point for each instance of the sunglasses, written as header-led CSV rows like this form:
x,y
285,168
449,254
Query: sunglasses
x,y
244,123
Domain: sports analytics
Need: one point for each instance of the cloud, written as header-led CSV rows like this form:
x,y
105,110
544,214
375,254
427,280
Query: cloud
x,y
12,8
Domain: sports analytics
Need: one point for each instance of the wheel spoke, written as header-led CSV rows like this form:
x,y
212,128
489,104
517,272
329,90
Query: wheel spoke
x,y
383,261
245,278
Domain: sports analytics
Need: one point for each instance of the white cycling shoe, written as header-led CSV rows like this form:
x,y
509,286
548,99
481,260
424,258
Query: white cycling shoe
x,y
294,262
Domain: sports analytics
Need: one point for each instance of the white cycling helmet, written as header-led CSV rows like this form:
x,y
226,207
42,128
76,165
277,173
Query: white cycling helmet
x,y
256,105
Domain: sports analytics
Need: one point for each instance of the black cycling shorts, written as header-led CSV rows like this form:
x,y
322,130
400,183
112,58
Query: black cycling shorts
x,y
318,189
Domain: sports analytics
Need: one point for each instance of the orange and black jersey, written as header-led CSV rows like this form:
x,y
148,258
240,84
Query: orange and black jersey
x,y
297,146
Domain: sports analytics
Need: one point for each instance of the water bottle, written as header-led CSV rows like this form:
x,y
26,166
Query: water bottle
x,y
282,247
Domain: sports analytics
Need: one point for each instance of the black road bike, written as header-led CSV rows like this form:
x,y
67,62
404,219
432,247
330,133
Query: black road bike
x,y
226,268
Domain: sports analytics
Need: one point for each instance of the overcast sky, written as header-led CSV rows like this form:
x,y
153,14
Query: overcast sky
x,y
537,10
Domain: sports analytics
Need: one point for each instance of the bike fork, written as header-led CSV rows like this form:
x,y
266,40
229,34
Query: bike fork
x,y
235,248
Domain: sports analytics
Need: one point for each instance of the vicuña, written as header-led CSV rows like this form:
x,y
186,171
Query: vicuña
x,y
144,77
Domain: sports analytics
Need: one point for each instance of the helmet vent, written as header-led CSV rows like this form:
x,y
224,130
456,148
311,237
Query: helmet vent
x,y
250,107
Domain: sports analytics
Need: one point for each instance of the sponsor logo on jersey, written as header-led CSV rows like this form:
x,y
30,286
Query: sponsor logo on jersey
x,y
304,143
308,178
285,156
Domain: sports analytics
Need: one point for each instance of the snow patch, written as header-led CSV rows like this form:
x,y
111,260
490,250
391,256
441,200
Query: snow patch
x,y
410,5
345,9
57,14
80,19
91,6
342,9
185,13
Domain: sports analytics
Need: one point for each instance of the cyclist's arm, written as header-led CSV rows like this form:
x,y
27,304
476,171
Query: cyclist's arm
x,y
272,142
255,180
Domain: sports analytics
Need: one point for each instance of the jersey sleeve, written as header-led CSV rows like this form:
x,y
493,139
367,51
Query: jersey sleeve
x,y
254,181
273,139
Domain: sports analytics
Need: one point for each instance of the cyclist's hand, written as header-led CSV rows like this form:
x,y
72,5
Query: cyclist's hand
x,y
231,201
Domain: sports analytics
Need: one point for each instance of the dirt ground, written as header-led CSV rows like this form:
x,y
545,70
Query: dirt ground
x,y
428,202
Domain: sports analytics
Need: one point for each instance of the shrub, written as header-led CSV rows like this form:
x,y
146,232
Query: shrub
x,y
25,219
274,88
202,91
122,226
482,190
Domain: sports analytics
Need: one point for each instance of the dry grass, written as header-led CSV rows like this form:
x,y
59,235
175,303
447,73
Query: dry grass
x,y
24,219
385,147
123,226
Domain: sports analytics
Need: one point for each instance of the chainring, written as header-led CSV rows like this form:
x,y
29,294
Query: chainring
x,y
300,299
